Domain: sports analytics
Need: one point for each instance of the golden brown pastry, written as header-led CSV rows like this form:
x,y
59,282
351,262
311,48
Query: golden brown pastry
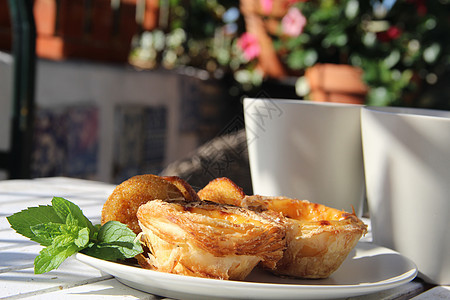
x,y
222,190
124,201
210,240
184,187
319,238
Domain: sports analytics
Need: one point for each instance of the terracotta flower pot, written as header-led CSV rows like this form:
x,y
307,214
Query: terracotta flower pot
x,y
255,23
336,83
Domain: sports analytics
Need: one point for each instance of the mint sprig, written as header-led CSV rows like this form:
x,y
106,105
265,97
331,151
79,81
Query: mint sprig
x,y
64,230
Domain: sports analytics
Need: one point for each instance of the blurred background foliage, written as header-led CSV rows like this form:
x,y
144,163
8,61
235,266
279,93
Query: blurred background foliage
x,y
402,46
197,33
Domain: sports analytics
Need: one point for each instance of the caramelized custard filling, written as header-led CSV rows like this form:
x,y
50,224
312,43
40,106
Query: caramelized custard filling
x,y
218,214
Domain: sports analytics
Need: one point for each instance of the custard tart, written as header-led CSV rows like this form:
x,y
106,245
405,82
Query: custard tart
x,y
222,190
124,201
207,239
319,238
185,188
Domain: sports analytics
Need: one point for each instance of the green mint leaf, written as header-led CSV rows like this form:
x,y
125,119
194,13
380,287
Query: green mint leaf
x,y
22,221
114,231
112,252
50,231
47,232
71,220
71,213
51,257
115,241
97,229
83,237
67,240
65,230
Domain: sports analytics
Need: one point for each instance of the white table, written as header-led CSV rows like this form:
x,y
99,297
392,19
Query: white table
x,y
75,280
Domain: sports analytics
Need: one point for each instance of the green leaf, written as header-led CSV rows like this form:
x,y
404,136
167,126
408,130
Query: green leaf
x,y
71,213
51,257
83,237
70,220
114,231
47,232
22,221
51,231
115,241
112,251
65,230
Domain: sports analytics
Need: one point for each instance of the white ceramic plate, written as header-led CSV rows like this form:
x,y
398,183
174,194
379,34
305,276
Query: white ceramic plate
x,y
368,268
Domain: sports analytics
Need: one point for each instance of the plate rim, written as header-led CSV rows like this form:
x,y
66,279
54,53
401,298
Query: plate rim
x,y
316,289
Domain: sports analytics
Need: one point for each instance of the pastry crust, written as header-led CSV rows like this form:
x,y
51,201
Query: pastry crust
x,y
319,238
185,188
126,198
208,239
222,190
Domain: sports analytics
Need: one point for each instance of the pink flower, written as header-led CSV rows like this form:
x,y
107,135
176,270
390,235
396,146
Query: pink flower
x,y
249,45
293,22
266,6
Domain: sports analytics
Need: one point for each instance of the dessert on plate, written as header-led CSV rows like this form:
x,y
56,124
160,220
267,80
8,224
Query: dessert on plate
x,y
222,233
319,238
126,198
208,239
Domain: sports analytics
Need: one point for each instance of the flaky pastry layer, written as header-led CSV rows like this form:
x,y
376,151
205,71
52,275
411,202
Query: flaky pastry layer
x,y
319,238
222,190
209,239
